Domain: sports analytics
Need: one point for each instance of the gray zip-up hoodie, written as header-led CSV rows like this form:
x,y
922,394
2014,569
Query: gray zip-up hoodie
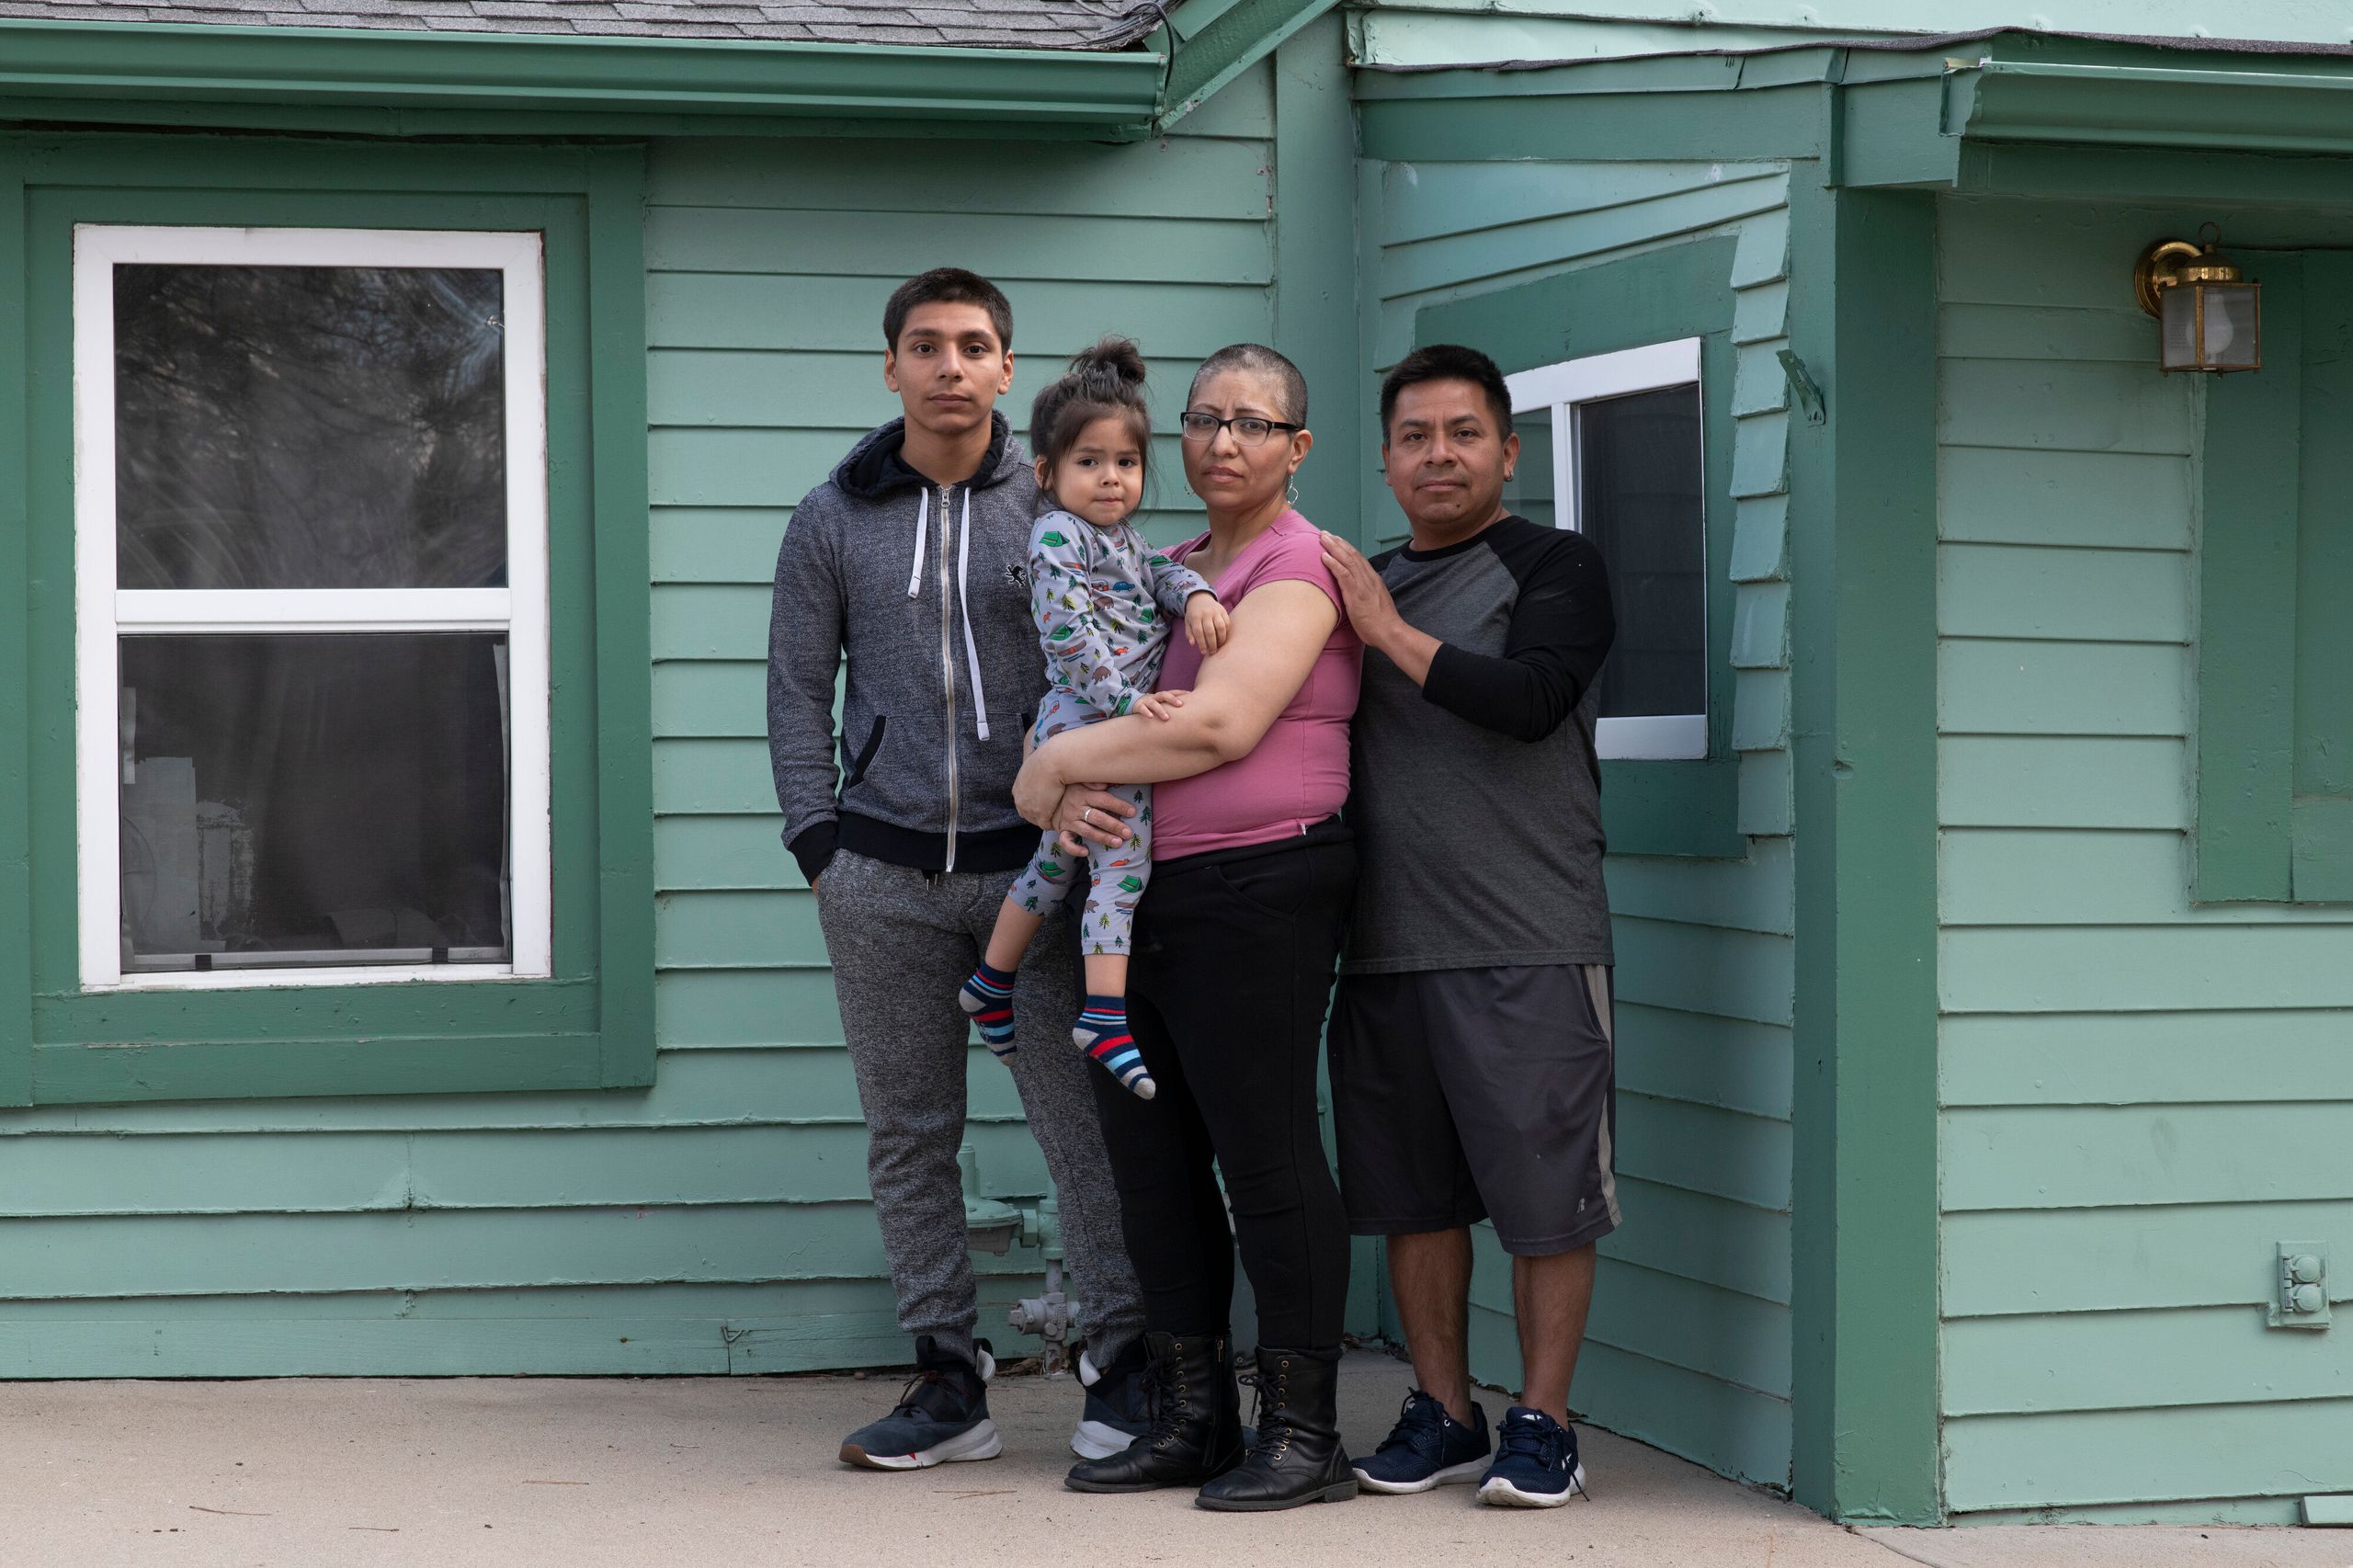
x,y
925,588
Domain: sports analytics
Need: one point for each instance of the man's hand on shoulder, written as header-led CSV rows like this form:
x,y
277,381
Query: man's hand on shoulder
x,y
1373,614
1365,597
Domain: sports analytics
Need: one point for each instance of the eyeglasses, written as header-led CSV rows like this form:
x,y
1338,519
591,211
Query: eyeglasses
x,y
1249,429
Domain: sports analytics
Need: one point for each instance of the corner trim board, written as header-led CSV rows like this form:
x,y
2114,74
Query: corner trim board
x,y
1864,1209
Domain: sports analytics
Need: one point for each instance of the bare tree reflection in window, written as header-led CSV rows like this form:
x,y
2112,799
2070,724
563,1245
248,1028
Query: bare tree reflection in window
x,y
310,428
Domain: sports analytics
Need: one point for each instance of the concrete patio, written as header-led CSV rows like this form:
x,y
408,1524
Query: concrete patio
x,y
714,1472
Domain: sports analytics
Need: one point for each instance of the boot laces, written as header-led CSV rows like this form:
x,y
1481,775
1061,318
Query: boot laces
x,y
1163,1394
1268,1414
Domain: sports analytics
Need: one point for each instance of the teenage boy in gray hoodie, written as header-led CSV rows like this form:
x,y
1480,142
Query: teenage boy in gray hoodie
x,y
912,561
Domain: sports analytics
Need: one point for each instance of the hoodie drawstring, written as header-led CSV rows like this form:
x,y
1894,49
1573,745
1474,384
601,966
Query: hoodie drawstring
x,y
964,601
923,516
971,648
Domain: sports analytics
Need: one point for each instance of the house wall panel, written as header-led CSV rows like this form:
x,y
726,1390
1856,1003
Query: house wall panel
x,y
2019,1262
2062,594
720,852
2144,1058
723,544
719,1220
785,1084
2140,1096
2103,1361
2117,500
769,309
1689,1343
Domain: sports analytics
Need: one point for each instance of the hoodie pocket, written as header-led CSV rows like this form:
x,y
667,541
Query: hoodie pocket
x,y
865,758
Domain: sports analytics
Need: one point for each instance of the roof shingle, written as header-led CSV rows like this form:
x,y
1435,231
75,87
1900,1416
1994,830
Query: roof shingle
x,y
1034,24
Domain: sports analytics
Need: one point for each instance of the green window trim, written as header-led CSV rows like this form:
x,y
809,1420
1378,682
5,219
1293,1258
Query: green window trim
x,y
1689,808
2274,812
591,1025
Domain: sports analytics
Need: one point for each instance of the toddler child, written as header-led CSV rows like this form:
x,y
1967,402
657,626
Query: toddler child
x,y
1098,592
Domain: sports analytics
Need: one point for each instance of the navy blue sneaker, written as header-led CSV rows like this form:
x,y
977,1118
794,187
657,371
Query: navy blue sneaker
x,y
1536,1462
942,1416
1118,1403
1426,1448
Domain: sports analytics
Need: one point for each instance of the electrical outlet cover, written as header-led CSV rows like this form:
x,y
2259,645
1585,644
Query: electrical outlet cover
x,y
2299,1269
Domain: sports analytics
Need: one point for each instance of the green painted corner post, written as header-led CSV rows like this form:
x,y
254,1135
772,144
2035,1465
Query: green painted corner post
x,y
15,678
1316,280
1864,541
1315,325
622,522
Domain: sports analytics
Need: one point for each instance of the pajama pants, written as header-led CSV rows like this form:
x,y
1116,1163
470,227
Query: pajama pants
x,y
1115,878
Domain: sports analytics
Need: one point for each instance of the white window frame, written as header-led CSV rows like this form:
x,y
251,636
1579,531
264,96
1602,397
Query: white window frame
x,y
1655,367
104,613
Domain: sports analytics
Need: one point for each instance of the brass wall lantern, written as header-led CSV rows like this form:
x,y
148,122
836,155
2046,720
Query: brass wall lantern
x,y
2209,316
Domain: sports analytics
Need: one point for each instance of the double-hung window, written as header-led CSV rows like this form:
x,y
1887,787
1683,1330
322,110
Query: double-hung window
x,y
328,738
311,519
1613,445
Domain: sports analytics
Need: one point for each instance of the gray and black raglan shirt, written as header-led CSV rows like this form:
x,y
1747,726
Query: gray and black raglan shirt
x,y
1477,796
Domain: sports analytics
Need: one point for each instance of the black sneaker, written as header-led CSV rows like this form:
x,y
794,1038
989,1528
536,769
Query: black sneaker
x,y
942,1416
1426,1448
1536,1462
1118,1403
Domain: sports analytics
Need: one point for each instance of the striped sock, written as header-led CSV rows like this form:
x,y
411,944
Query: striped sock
x,y
987,996
1102,1033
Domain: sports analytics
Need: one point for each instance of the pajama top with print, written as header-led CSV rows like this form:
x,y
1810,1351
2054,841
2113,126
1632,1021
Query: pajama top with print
x,y
1105,604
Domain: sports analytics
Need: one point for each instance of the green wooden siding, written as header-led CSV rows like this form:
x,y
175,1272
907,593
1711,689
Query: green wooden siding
x,y
718,1221
2141,1096
1690,1345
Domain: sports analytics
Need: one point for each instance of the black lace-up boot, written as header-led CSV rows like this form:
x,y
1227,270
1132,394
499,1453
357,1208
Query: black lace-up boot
x,y
1298,1458
1196,1432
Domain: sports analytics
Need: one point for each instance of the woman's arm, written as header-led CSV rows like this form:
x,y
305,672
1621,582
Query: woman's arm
x,y
1173,584
1279,630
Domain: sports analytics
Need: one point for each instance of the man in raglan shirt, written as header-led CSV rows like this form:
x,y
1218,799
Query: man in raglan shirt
x,y
910,560
1471,1067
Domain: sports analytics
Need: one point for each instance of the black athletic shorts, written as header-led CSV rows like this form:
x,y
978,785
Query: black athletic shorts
x,y
1470,1093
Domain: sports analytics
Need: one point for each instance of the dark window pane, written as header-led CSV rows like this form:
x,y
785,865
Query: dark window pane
x,y
306,800
310,428
1529,492
1639,498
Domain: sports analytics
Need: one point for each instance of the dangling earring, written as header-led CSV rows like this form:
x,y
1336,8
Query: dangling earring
x,y
1291,492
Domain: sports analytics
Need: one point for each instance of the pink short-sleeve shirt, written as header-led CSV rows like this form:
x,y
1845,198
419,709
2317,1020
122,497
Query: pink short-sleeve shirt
x,y
1298,774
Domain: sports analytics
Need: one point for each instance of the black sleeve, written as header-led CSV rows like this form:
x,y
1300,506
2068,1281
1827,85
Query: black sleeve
x,y
1560,631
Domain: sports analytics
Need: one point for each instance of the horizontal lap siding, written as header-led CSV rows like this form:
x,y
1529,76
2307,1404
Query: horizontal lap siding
x,y
2140,1096
1689,1342
719,1221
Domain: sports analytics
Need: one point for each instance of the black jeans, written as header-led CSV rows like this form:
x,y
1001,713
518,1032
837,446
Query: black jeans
x,y
1227,987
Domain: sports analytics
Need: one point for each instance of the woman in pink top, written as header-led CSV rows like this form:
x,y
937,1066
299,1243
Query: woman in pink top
x,y
1235,939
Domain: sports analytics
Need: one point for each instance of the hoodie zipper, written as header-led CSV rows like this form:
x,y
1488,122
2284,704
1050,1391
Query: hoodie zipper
x,y
948,670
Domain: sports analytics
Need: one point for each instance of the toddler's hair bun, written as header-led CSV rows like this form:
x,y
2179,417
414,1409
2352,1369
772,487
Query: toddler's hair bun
x,y
1106,381
1115,365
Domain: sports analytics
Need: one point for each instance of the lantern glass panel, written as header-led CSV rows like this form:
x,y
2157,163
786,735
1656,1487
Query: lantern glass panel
x,y
2231,341
2177,329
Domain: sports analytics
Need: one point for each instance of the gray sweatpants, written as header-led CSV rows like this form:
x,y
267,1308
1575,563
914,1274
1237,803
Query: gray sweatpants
x,y
901,943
